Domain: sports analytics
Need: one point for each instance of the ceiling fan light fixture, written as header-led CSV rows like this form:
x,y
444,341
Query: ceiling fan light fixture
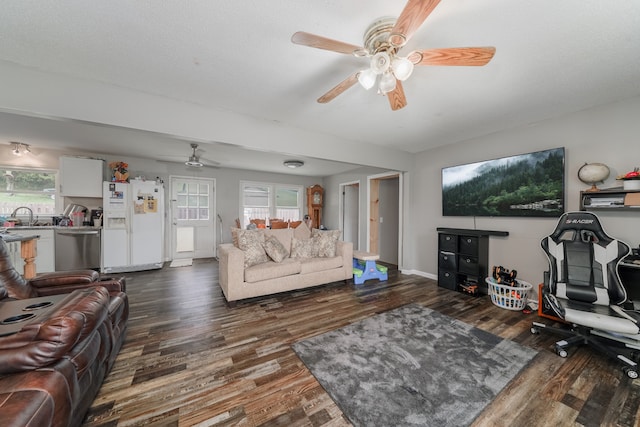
x,y
367,78
293,164
16,149
387,83
380,62
402,68
194,160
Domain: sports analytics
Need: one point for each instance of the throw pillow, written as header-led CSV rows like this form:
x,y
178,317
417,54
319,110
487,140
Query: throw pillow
x,y
334,234
302,248
275,249
302,231
325,242
251,243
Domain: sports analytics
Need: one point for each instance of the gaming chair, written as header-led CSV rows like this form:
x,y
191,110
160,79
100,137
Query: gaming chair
x,y
584,289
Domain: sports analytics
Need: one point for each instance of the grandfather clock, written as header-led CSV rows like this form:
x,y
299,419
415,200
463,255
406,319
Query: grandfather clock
x,y
314,205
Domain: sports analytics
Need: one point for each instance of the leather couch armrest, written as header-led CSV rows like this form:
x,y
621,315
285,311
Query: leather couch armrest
x,y
44,342
231,269
64,282
62,278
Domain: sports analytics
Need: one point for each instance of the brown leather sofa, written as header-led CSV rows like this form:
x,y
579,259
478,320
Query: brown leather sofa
x,y
52,368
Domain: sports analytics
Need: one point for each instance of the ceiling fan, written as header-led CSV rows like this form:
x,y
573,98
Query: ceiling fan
x,y
382,43
195,160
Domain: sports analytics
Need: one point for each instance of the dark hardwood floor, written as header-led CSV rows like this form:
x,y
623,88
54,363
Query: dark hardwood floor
x,y
190,359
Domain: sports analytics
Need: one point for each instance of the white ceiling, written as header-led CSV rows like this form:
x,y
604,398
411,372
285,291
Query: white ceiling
x,y
552,58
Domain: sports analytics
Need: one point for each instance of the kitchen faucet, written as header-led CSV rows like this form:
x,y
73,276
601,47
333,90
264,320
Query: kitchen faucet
x,y
13,215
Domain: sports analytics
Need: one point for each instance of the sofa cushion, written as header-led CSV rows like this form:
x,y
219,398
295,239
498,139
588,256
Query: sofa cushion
x,y
284,235
302,248
274,249
251,243
271,270
312,265
325,242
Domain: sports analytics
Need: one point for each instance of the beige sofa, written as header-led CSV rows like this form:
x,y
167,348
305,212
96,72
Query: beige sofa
x,y
296,270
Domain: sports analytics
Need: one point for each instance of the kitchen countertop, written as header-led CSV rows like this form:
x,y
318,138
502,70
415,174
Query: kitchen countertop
x,y
47,227
16,238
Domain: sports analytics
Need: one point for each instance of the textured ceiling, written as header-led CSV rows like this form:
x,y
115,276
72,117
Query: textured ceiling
x,y
552,58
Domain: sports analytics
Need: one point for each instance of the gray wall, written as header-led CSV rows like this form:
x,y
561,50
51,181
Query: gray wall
x,y
607,134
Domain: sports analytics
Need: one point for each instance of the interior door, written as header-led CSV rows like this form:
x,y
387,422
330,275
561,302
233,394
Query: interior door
x,y
192,218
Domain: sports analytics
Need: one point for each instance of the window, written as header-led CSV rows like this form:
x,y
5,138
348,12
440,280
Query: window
x,y
264,201
193,202
34,188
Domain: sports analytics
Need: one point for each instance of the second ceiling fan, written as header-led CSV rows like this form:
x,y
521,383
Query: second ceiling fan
x,y
382,43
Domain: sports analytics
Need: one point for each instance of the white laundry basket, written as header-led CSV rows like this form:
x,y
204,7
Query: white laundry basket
x,y
507,296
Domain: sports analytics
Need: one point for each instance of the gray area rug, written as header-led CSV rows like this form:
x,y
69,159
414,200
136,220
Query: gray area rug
x,y
412,366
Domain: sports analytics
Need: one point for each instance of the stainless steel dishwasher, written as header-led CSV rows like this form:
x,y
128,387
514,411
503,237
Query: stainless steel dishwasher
x,y
77,248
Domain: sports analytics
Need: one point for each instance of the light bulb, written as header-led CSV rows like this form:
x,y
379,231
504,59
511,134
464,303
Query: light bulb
x,y
387,83
16,151
380,62
402,68
367,78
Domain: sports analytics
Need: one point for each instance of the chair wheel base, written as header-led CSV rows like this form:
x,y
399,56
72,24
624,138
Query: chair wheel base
x,y
630,372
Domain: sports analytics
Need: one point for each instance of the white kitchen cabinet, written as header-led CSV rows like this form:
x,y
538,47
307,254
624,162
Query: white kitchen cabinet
x,y
45,249
81,177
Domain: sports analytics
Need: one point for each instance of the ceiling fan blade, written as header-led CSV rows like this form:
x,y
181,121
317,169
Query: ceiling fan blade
x,y
319,42
397,100
412,16
339,88
205,164
475,56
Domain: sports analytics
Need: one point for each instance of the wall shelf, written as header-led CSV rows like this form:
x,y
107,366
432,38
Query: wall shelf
x,y
610,199
470,232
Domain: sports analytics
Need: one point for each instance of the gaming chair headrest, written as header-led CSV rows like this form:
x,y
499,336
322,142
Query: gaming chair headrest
x,y
585,226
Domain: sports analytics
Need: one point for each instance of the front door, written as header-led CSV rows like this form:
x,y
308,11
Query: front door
x,y
192,218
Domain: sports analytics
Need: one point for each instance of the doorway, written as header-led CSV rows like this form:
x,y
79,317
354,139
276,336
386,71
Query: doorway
x,y
350,212
193,233
385,217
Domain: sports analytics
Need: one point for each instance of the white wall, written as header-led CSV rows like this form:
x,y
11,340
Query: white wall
x,y
607,134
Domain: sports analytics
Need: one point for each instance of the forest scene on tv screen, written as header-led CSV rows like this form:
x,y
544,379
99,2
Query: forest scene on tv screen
x,y
529,185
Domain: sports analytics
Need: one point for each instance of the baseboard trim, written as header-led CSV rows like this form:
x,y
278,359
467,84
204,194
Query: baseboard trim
x,y
419,273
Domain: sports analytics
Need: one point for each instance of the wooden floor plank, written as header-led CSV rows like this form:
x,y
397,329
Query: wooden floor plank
x,y
190,359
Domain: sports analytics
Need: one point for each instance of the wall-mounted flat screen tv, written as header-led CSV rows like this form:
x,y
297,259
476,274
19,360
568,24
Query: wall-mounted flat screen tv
x,y
528,185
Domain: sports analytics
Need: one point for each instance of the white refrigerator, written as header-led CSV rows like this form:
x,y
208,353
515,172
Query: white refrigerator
x,y
132,226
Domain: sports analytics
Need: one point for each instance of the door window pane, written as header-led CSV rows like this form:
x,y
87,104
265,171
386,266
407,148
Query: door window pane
x,y
193,202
